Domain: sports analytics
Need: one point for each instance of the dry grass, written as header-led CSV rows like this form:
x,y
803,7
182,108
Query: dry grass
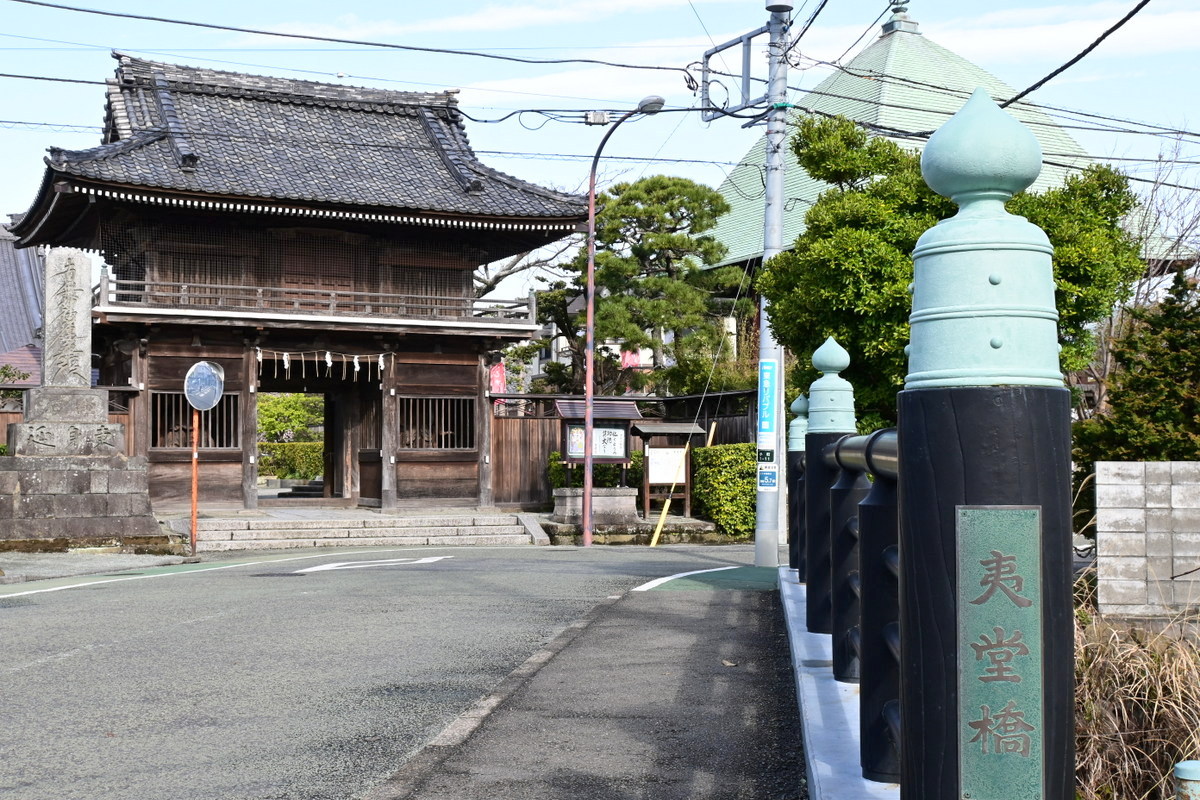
x,y
1137,706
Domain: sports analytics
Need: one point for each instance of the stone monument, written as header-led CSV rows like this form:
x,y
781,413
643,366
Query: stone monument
x,y
67,481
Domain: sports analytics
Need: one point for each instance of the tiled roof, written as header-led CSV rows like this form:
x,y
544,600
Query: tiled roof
x,y
902,82
220,133
27,359
21,287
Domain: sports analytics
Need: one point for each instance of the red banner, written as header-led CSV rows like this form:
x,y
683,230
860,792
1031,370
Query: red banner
x,y
497,380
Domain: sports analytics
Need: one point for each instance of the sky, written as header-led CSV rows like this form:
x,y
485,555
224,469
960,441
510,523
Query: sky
x,y
1143,73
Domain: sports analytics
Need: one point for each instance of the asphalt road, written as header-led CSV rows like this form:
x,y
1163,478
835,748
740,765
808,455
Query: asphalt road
x,y
256,680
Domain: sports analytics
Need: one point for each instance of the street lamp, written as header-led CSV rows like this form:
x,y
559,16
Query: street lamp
x,y
649,105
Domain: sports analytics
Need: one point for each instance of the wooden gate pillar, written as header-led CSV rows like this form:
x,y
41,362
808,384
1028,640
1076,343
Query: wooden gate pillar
x,y
986,698
249,427
388,435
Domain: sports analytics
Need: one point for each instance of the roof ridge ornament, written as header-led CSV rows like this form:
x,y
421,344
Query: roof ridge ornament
x,y
451,155
900,20
181,148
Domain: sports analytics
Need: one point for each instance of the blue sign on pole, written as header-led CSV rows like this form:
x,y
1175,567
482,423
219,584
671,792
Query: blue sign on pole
x,y
767,413
768,477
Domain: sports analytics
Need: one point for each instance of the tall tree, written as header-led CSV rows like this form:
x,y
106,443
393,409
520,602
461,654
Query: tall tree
x,y
848,273
652,290
1154,396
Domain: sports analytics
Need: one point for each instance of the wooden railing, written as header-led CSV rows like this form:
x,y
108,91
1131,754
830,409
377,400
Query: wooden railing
x,y
289,300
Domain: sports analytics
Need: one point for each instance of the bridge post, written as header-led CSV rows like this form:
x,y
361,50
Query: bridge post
x,y
830,417
984,442
797,430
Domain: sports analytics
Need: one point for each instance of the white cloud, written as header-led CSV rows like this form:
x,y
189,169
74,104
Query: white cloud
x,y
623,87
1060,32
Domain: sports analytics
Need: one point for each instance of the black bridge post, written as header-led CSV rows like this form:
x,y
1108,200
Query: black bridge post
x,y
984,444
879,679
797,430
846,493
830,417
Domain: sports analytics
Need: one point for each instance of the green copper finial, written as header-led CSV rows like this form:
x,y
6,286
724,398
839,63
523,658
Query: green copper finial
x,y
983,310
981,153
798,427
831,397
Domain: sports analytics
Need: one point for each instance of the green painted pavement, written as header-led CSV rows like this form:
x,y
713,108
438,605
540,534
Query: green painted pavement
x,y
745,579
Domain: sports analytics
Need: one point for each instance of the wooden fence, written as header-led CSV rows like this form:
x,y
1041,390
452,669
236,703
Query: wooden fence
x,y
520,449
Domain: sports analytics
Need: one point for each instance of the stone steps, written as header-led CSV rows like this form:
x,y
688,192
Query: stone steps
x,y
440,531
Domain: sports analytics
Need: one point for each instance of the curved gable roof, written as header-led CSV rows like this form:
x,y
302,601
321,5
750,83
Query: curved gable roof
x,y
902,83
209,132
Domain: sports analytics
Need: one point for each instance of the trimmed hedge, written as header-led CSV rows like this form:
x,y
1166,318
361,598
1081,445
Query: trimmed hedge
x,y
724,489
604,476
293,460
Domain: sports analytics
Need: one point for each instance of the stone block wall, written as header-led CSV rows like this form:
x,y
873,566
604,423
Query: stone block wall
x,y
56,503
1148,538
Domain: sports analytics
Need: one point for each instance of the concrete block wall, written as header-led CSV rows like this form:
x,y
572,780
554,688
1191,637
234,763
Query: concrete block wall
x,y
1148,538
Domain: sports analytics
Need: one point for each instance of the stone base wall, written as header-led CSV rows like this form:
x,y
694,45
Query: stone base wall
x,y
610,506
1148,538
60,502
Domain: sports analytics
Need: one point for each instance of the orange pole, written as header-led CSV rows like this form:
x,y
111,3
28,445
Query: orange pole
x,y
195,472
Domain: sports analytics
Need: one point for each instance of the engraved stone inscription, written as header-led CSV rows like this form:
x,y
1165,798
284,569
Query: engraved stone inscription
x,y
66,355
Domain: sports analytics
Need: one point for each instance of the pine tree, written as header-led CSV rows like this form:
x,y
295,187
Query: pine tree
x,y
1155,395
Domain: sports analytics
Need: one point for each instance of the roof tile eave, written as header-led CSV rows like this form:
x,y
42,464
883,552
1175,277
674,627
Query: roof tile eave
x,y
166,194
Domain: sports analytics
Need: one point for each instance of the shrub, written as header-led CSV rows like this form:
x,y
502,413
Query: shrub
x,y
724,487
1137,703
290,417
294,460
604,476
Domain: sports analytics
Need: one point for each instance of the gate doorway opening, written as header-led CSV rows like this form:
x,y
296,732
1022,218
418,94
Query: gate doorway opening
x,y
292,446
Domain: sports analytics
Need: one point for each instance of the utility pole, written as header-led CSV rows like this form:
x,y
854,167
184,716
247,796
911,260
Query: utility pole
x,y
771,431
771,434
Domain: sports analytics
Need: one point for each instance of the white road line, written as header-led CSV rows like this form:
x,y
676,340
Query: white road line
x,y
645,587
386,562
198,569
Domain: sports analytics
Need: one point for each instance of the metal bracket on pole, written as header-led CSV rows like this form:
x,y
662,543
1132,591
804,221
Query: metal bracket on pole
x,y
708,111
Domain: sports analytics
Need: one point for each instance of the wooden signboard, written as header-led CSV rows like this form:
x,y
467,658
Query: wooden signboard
x,y
668,469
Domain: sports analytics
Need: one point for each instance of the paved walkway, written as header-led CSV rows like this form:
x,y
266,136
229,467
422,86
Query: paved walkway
x,y
682,691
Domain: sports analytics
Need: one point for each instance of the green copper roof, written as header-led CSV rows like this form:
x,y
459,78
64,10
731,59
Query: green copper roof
x,y
902,82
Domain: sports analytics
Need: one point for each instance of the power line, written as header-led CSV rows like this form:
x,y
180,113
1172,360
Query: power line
x,y
1157,130
177,52
871,27
52,80
365,43
1077,58
343,143
569,115
948,90
808,24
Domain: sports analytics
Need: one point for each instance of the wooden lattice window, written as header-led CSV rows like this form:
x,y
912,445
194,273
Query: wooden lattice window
x,y
171,422
435,292
437,423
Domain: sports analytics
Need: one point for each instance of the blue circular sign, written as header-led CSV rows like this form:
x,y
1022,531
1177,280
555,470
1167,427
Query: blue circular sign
x,y
204,385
